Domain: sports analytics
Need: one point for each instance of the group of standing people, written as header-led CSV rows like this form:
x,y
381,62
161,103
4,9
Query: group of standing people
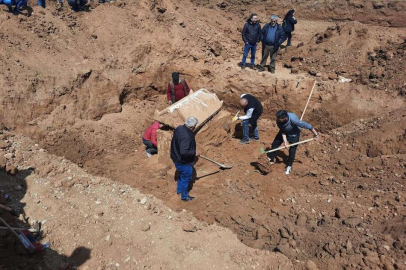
x,y
76,5
272,35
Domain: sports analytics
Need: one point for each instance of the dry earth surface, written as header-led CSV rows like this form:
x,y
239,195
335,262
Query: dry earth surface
x,y
79,89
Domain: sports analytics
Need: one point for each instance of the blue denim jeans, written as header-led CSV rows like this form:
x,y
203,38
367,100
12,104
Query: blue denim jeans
x,y
247,49
150,148
246,130
185,176
41,3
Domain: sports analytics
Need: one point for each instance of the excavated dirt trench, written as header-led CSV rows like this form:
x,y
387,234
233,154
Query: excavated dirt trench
x,y
342,206
257,208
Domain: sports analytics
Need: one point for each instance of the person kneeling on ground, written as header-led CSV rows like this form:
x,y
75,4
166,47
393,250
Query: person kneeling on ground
x,y
289,126
177,89
251,35
253,110
273,36
183,154
77,5
150,139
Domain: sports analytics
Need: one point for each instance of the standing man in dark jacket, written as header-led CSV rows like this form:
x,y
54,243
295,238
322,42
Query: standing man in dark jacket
x,y
251,35
183,154
177,89
289,25
253,110
289,126
272,37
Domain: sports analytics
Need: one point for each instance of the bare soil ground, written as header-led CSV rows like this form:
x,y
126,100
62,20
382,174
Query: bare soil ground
x,y
84,86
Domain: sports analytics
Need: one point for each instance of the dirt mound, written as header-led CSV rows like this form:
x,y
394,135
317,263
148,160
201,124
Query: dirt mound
x,y
351,51
86,85
128,229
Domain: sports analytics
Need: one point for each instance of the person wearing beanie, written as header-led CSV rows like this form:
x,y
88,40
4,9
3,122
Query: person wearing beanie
x,y
177,89
183,155
273,36
289,25
150,139
253,110
289,126
251,35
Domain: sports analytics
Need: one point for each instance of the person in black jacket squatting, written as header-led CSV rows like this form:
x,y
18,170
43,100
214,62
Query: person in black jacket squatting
x,y
183,154
251,35
253,110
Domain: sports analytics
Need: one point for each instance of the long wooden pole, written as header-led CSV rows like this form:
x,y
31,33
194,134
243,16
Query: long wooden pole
x,y
293,144
308,100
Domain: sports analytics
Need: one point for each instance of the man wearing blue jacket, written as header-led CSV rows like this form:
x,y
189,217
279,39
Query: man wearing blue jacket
x,y
251,35
183,154
273,36
289,126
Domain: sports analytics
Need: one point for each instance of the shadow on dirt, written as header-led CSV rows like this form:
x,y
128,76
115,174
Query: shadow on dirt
x,y
13,254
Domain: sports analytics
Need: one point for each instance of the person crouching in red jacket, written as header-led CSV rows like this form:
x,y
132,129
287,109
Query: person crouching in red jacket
x,y
177,89
150,139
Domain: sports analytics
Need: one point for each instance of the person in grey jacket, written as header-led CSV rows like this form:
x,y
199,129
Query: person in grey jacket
x,y
289,126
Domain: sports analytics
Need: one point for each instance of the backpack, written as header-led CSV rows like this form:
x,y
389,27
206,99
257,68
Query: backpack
x,y
182,81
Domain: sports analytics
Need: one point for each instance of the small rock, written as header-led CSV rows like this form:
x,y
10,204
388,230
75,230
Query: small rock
x,y
286,250
9,156
107,238
161,10
18,188
301,219
352,222
310,265
145,227
10,169
188,227
324,182
144,200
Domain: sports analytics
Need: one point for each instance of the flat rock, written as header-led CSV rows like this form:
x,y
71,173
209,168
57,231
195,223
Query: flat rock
x,y
352,222
188,227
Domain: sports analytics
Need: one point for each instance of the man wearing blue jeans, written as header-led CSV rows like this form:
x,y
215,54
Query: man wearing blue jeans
x,y
183,154
253,110
251,35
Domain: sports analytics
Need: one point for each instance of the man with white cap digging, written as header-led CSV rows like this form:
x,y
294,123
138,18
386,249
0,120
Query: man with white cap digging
x,y
273,36
183,154
289,126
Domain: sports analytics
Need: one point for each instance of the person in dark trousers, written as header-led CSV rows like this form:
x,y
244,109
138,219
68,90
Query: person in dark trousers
x,y
18,5
253,110
183,154
77,5
177,89
150,139
272,37
289,25
289,126
251,35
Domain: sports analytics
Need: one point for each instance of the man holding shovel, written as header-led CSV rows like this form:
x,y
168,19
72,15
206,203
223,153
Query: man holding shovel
x,y
183,154
289,126
253,110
